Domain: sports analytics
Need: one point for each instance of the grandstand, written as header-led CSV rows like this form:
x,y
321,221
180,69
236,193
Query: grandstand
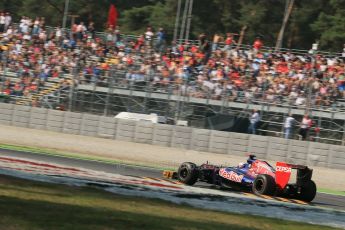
x,y
183,83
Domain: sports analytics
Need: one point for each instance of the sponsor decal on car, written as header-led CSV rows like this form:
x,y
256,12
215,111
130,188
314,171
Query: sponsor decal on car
x,y
230,175
283,169
260,167
283,172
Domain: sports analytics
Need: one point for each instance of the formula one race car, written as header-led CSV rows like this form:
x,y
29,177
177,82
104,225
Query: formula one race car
x,y
255,175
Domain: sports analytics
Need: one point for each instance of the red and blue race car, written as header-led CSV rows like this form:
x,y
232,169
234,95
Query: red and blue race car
x,y
254,175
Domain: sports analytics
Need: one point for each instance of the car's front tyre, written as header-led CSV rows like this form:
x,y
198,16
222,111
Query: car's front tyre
x,y
188,173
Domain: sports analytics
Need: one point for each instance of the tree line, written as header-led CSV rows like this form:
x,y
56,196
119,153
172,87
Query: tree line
x,y
310,21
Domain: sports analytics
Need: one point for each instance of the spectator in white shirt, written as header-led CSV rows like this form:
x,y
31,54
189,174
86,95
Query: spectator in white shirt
x,y
24,28
8,20
253,122
301,99
148,36
288,125
58,34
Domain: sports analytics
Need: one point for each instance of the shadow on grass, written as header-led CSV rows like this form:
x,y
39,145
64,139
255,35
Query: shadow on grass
x,y
33,214
30,191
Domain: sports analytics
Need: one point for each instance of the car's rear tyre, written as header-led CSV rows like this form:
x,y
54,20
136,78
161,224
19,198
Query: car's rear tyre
x,y
264,185
308,191
188,173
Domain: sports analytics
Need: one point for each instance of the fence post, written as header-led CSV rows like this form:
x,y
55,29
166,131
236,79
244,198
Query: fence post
x,y
111,85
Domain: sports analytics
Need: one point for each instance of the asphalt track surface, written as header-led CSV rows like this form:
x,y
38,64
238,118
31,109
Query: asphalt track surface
x,y
321,199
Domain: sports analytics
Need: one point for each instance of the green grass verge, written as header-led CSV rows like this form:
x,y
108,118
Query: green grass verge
x,y
45,151
329,191
36,205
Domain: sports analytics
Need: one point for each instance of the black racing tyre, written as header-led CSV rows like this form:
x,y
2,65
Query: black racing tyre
x,y
188,173
264,185
308,191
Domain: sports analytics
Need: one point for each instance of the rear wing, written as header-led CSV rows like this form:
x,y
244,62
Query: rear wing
x,y
283,173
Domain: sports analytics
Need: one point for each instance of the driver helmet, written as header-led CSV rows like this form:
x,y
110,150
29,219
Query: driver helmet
x,y
241,165
251,159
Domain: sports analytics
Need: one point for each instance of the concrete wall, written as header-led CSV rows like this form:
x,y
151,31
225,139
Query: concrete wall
x,y
143,132
181,137
162,135
38,118
270,148
72,123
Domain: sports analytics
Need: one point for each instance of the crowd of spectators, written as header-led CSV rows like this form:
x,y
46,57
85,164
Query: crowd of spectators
x,y
210,68
33,54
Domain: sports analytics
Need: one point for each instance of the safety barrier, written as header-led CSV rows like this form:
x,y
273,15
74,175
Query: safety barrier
x,y
270,148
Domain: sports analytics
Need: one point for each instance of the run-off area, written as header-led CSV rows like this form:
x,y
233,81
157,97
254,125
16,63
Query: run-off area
x,y
171,191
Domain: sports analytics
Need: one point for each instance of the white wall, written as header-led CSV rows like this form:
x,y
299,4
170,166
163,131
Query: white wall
x,y
270,148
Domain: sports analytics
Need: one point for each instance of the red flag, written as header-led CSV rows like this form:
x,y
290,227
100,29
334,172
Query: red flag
x,y
112,16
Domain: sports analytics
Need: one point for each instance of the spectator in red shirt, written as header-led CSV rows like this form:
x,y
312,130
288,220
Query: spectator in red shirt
x,y
257,44
7,91
140,42
229,41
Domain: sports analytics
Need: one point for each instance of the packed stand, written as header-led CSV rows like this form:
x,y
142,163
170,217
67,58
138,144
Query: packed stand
x,y
32,56
210,68
219,70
